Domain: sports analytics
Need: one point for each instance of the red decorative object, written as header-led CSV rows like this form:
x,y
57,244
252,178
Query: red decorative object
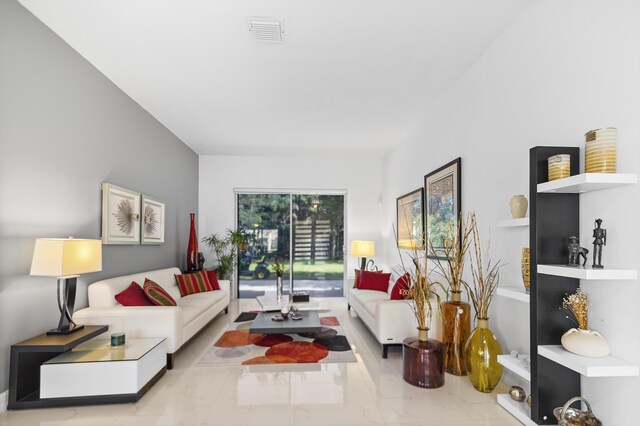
x,y
194,282
374,281
192,248
423,362
133,296
213,279
402,283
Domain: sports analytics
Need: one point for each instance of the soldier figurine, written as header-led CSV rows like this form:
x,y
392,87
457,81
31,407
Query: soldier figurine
x,y
600,239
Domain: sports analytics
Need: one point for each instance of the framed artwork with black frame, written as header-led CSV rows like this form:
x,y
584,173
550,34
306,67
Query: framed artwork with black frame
x,y
410,220
443,204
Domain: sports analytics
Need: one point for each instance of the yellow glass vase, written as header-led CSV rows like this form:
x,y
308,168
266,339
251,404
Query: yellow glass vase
x,y
481,357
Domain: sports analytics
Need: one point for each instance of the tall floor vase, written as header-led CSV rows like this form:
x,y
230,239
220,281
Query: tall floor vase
x,y
456,329
423,361
192,248
481,356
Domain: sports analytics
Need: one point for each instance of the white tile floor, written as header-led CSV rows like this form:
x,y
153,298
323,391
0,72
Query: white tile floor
x,y
369,392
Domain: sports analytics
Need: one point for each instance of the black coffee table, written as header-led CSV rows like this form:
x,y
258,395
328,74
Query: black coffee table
x,y
263,324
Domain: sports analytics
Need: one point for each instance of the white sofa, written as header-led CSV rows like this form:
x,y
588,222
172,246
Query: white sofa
x,y
390,321
176,323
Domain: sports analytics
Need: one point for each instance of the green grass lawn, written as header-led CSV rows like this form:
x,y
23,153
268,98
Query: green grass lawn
x,y
304,270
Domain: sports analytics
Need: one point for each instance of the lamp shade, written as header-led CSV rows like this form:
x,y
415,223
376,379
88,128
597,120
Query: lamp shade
x,y
64,257
362,248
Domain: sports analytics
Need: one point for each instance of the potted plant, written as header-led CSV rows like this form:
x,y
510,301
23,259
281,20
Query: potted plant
x,y
225,249
423,357
456,314
482,348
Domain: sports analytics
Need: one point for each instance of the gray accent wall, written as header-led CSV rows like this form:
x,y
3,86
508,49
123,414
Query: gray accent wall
x,y
64,129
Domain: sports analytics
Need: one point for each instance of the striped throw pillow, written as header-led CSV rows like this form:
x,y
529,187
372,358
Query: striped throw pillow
x,y
195,282
157,294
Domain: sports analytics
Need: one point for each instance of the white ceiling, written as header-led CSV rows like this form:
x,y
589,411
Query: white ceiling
x,y
352,75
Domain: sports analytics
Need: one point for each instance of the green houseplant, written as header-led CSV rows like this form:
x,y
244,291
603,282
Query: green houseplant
x,y
225,249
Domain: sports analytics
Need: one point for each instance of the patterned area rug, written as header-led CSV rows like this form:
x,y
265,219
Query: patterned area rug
x,y
237,346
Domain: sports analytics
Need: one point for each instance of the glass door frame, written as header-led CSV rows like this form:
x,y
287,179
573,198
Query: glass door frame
x,y
235,285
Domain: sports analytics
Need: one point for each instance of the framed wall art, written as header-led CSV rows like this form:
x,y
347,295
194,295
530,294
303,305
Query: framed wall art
x,y
153,219
410,220
120,215
443,197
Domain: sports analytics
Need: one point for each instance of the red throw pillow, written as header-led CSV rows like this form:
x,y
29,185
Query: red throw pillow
x,y
401,284
157,294
374,281
194,282
133,296
213,279
356,281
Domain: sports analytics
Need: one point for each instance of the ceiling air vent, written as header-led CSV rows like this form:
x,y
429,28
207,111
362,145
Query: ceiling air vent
x,y
266,29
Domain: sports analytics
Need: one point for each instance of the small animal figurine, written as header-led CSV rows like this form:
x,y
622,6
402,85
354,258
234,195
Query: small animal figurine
x,y
575,251
599,240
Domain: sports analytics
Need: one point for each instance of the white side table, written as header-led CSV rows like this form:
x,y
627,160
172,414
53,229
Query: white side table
x,y
96,369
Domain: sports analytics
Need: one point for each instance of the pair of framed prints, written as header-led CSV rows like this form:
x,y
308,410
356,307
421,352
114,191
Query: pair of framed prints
x,y
424,214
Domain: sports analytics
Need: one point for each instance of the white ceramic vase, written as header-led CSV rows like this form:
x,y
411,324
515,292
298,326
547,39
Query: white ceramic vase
x,y
587,343
519,206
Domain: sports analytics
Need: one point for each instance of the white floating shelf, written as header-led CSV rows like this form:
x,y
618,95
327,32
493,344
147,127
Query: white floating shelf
x,y
519,410
516,293
588,273
516,365
589,367
587,182
513,223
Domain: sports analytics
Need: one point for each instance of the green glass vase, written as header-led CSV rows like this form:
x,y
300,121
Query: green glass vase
x,y
481,357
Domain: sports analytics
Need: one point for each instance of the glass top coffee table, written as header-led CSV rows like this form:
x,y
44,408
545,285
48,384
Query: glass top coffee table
x,y
270,303
263,324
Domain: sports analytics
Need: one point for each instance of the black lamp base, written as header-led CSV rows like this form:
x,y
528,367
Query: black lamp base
x,y
65,331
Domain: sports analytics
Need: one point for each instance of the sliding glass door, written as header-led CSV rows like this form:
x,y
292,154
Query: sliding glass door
x,y
305,232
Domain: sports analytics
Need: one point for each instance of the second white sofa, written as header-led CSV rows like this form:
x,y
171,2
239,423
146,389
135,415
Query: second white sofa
x,y
390,321
175,323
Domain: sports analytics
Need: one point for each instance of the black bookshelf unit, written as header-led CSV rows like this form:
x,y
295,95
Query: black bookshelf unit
x,y
553,217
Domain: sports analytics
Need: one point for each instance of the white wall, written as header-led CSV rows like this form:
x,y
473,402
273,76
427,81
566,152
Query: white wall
x,y
563,68
361,178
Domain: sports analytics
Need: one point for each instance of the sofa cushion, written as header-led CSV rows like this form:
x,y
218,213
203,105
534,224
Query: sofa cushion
x,y
374,281
194,282
213,279
157,294
364,296
370,307
401,284
189,313
202,300
133,296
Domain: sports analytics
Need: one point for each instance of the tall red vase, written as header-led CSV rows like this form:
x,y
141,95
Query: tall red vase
x,y
192,248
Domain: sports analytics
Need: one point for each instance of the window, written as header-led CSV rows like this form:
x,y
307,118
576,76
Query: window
x,y
305,231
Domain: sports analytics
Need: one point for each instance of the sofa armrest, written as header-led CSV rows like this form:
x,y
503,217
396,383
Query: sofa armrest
x,y
225,285
395,319
138,322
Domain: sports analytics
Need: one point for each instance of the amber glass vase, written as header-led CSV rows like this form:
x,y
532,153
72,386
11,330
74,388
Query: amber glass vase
x,y
456,328
423,361
481,357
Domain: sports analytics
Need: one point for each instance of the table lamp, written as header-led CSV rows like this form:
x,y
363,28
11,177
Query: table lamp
x,y
362,249
66,259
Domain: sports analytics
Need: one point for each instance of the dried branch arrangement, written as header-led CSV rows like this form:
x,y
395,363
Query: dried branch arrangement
x,y
451,268
421,288
577,304
485,275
